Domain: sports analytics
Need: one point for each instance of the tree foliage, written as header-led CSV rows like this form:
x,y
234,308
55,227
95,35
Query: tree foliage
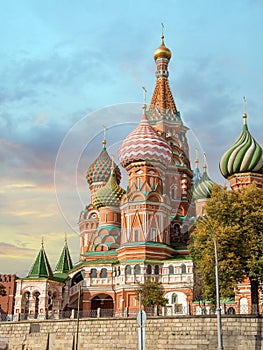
x,y
2,290
152,293
235,220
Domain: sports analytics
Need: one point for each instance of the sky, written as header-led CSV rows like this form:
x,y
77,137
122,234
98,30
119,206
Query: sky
x,y
68,68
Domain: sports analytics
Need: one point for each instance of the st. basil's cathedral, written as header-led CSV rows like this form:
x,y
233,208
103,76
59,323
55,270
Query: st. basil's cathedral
x,y
128,236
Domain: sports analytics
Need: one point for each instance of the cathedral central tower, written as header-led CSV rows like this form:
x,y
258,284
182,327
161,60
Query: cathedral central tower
x,y
166,120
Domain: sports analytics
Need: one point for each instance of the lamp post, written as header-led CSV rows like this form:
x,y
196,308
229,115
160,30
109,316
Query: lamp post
x,y
79,295
218,307
77,332
206,222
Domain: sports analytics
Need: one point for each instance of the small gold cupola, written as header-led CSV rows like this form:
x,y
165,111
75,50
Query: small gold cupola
x,y
162,51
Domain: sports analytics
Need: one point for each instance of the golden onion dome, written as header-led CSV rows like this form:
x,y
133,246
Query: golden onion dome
x,y
162,51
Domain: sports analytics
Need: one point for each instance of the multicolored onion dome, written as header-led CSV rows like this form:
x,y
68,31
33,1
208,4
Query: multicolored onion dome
x,y
144,144
202,188
110,194
244,156
162,51
100,169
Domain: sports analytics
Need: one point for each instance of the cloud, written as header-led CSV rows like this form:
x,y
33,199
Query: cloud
x,y
12,251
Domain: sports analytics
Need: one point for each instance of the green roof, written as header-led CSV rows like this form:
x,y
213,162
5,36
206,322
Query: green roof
x,y
65,263
41,268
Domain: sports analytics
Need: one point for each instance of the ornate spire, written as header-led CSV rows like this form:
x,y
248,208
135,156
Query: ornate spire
x,y
104,142
162,106
245,112
144,105
196,158
205,163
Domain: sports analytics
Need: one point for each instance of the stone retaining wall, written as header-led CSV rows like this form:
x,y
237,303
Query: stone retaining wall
x,y
180,333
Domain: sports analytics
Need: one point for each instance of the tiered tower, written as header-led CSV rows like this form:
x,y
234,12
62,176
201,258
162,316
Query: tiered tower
x,y
166,120
98,174
145,209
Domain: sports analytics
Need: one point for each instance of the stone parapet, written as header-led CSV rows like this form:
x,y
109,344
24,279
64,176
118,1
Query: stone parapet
x,y
186,332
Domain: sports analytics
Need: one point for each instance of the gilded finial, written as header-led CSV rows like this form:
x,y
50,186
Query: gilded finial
x,y
245,110
162,37
104,140
42,242
162,51
66,241
144,98
196,158
205,163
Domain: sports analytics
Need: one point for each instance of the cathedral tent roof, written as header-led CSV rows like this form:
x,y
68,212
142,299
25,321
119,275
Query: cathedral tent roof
x,y
41,267
65,263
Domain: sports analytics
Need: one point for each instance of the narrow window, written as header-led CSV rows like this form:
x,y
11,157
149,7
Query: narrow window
x,y
183,268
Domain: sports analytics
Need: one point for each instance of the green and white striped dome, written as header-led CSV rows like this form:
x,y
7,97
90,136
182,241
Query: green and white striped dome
x,y
202,188
244,156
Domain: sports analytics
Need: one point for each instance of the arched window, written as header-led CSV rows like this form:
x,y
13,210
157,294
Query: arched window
x,y
174,298
78,277
49,302
136,235
156,269
137,269
171,270
183,268
149,269
127,270
173,190
36,297
103,273
26,302
139,183
93,273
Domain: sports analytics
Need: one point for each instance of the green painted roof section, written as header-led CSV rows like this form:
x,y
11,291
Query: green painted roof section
x,y
41,267
108,227
245,155
105,252
156,244
65,263
61,277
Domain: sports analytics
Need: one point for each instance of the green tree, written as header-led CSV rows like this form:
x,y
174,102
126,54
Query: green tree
x,y
2,290
235,220
152,294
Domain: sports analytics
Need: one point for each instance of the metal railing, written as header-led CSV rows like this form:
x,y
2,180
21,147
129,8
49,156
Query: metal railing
x,y
168,311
